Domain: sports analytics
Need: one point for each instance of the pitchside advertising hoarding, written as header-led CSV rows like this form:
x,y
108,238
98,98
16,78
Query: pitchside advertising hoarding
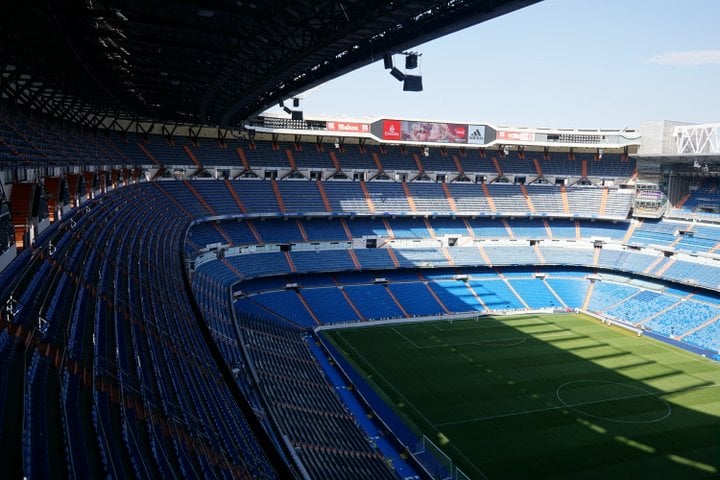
x,y
425,132
347,127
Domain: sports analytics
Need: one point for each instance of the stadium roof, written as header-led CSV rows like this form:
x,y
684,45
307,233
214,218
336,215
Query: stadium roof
x,y
212,62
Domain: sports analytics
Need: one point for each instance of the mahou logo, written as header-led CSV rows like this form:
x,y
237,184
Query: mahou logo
x,y
391,129
352,127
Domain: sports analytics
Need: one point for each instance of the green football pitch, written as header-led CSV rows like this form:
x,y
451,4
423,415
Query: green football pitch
x,y
546,396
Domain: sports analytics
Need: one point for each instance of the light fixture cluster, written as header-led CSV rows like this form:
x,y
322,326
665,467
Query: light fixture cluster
x,y
295,114
411,83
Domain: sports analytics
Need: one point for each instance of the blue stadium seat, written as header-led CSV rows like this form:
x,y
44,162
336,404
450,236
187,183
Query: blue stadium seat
x,y
373,302
329,305
414,298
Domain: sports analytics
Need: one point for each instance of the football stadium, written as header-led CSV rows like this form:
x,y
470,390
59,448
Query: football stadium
x,y
193,286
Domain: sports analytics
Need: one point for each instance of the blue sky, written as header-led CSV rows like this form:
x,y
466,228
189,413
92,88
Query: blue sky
x,y
559,63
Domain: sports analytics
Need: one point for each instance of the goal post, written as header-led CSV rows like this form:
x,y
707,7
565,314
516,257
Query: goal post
x,y
435,461
470,317
438,464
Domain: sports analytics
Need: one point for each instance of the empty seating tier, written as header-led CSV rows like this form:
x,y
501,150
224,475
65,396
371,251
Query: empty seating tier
x,y
304,197
121,379
124,378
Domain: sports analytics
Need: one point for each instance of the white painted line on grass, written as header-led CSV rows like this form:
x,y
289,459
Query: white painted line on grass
x,y
559,407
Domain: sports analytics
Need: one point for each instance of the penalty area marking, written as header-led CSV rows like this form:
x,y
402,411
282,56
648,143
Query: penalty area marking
x,y
491,322
511,342
497,342
406,338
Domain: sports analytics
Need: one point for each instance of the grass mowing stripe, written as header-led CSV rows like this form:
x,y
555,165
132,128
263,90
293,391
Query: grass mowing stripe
x,y
449,373
499,341
369,365
573,405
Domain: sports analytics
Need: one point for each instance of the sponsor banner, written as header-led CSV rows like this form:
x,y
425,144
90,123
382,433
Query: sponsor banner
x,y
476,134
391,130
515,136
432,132
349,127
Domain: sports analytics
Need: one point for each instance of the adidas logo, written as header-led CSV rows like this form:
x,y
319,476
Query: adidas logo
x,y
477,134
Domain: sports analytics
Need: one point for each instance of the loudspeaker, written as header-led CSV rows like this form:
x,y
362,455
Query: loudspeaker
x,y
413,83
297,115
397,74
411,61
387,61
